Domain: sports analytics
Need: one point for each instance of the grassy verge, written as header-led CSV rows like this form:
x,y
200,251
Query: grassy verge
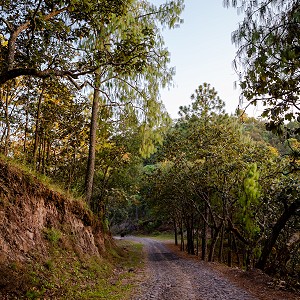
x,y
162,236
66,276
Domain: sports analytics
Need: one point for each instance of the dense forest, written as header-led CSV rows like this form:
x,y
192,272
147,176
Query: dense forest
x,y
80,103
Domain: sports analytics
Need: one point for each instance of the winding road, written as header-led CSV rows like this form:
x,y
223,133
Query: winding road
x,y
169,277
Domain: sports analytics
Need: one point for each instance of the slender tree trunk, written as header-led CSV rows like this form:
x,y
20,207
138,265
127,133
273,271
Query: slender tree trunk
x,y
181,237
204,234
7,121
26,129
281,222
220,256
236,250
175,232
189,232
48,155
229,257
37,127
213,243
197,238
92,141
72,168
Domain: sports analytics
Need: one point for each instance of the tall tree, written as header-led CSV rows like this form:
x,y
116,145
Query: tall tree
x,y
41,38
132,64
268,57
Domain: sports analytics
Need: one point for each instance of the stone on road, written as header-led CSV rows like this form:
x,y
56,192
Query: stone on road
x,y
169,277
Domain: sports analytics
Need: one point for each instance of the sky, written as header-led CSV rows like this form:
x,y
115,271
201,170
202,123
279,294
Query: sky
x,y
202,51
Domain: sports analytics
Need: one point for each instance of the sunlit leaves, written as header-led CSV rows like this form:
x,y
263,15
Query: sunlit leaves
x,y
268,56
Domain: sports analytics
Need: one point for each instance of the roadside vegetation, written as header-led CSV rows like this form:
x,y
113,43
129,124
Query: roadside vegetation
x,y
65,275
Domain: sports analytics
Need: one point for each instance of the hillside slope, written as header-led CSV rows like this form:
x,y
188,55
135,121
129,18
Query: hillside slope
x,y
31,215
52,247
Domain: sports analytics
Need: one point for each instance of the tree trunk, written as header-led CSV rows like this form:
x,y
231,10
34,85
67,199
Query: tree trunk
x,y
92,141
26,128
7,121
181,237
190,234
236,250
220,256
270,242
37,128
229,256
175,232
204,234
213,243
197,238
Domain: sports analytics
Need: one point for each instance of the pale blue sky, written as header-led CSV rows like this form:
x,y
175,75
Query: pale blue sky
x,y
202,51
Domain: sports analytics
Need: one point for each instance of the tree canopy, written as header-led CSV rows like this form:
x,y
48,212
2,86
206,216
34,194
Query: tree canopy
x,y
268,57
48,38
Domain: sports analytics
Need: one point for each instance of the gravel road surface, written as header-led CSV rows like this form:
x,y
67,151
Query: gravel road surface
x,y
169,277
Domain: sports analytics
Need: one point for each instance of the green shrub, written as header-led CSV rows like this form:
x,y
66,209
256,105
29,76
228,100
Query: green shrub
x,y
52,235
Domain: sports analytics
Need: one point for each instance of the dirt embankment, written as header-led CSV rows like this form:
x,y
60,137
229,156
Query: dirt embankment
x,y
31,216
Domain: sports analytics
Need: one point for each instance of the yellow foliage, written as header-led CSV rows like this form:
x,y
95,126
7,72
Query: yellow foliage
x,y
3,41
126,156
294,144
273,151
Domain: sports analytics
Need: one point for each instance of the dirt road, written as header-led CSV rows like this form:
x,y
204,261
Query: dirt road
x,y
169,277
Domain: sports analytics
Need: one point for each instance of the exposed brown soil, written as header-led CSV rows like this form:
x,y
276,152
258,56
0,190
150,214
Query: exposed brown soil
x,y
31,215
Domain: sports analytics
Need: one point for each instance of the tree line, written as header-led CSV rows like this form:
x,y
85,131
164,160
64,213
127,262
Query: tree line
x,y
75,75
228,197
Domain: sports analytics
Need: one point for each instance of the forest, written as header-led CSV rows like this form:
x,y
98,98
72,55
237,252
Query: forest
x,y
80,105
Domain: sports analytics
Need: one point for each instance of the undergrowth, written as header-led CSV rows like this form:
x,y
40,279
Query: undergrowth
x,y
45,180
63,275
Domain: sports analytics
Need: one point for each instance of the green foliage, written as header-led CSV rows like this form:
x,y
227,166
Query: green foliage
x,y
53,235
214,171
205,102
36,29
66,276
45,120
269,57
249,200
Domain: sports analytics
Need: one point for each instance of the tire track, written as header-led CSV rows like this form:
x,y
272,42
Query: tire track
x,y
169,277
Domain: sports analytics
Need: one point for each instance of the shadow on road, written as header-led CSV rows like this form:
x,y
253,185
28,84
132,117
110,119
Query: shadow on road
x,y
161,256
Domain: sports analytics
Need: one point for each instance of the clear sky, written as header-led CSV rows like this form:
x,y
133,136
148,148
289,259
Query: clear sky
x,y
202,51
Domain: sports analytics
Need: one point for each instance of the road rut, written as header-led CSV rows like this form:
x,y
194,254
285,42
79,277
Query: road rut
x,y
169,277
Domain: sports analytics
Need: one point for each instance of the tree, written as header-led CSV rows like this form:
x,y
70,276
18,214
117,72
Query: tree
x,y
287,196
268,57
206,103
133,66
42,38
11,103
